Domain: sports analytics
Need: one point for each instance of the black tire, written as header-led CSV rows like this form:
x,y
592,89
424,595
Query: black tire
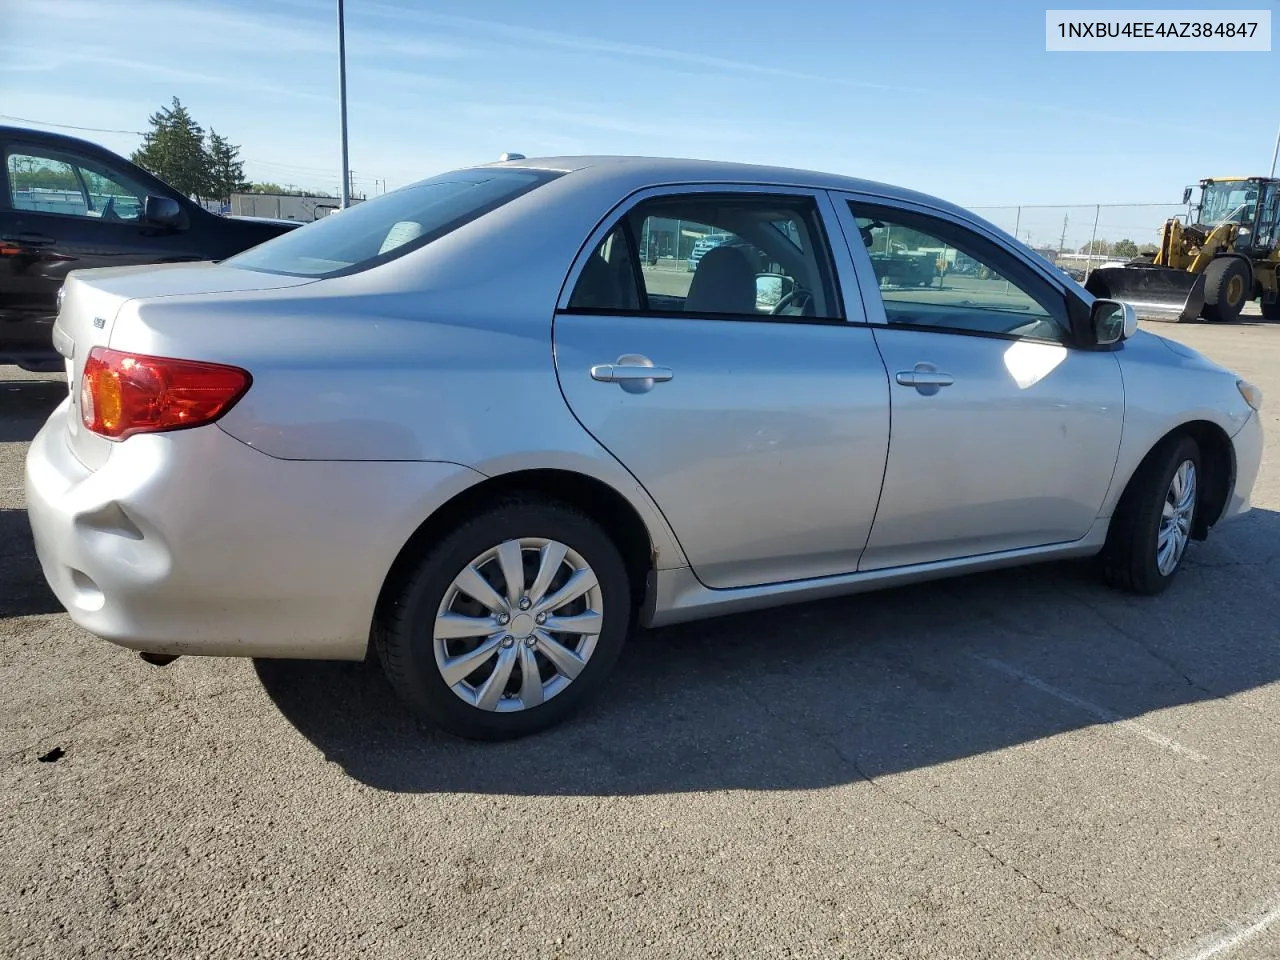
x,y
1228,286
1129,558
1271,311
403,634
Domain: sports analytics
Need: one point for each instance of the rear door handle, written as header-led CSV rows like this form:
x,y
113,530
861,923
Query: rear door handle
x,y
633,372
925,378
625,372
30,240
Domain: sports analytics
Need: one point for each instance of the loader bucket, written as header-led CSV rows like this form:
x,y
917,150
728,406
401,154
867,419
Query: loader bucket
x,y
1155,293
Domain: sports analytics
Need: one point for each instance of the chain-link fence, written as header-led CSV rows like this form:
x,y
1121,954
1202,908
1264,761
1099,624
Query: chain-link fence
x,y
1079,238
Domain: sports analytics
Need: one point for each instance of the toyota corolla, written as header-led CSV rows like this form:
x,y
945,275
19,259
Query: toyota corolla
x,y
467,426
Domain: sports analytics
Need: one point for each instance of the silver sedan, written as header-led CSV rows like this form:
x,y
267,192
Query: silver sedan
x,y
485,424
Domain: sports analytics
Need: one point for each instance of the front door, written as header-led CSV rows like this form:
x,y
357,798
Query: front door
x,y
1005,435
62,212
733,388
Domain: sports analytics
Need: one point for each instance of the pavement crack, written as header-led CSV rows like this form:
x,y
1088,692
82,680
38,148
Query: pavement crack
x,y
114,902
923,814
981,847
1139,641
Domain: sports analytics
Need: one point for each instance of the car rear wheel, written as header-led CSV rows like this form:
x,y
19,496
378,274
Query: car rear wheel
x,y
512,622
1152,525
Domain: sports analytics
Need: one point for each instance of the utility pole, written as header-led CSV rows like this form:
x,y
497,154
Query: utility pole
x,y
342,107
1275,153
1062,242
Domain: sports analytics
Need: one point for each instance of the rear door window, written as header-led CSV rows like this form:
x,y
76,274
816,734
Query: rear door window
x,y
714,255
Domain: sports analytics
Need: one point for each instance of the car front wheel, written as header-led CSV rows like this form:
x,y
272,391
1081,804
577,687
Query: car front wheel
x,y
512,622
1153,522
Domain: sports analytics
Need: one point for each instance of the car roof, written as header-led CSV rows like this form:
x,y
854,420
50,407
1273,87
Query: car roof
x,y
638,172
29,133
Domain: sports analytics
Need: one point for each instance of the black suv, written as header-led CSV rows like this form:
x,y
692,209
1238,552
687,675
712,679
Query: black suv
x,y
67,204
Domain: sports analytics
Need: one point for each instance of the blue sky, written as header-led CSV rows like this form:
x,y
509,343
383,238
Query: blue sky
x,y
957,99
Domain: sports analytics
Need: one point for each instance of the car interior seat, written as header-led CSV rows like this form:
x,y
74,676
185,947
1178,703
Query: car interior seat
x,y
725,282
605,284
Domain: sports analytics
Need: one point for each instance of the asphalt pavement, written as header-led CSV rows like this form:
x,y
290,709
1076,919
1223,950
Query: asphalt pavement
x,y
1016,764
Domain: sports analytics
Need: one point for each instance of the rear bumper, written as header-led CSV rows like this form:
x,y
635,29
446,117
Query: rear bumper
x,y
193,543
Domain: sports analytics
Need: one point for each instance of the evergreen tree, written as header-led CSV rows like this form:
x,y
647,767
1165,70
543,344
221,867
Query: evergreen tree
x,y
226,169
173,149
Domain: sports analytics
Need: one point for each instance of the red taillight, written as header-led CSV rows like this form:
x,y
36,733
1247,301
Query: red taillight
x,y
126,393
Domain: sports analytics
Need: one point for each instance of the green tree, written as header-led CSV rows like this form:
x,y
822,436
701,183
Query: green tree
x,y
274,189
1125,249
37,173
226,169
1099,248
173,149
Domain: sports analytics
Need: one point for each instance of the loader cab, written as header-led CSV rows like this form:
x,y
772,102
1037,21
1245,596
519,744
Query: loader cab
x,y
1248,202
1266,232
1223,201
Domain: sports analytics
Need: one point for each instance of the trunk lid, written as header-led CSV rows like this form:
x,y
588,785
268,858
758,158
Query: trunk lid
x,y
91,302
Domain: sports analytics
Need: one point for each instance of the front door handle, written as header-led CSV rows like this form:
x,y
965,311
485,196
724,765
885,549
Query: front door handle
x,y
30,240
633,372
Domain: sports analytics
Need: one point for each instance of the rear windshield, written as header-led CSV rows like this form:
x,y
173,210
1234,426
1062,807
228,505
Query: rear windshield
x,y
380,230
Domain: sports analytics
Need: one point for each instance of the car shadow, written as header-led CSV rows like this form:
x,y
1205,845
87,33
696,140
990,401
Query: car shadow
x,y
824,693
25,591
25,405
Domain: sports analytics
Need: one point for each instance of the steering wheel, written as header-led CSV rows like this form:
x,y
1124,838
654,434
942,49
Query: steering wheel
x,y
800,298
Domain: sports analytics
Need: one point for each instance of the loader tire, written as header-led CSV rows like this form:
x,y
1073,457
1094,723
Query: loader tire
x,y
1227,286
1271,311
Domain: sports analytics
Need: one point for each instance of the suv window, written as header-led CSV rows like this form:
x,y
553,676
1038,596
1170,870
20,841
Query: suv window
x,y
387,227
71,185
714,255
934,273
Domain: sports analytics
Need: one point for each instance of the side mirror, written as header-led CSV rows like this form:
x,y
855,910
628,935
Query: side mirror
x,y
1186,195
1112,321
161,211
770,289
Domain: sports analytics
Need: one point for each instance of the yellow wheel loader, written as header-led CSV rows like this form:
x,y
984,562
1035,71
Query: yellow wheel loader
x,y
1227,254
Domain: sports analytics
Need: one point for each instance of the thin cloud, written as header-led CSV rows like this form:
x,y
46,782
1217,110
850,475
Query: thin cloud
x,y
596,45
600,46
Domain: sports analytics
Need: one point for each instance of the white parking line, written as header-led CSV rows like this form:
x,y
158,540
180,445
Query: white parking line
x,y
1230,938
1102,713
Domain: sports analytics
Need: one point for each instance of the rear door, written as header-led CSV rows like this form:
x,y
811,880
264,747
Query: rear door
x,y
753,410
64,211
1005,434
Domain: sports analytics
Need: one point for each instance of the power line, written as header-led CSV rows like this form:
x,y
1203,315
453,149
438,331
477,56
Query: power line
x,y
68,126
138,133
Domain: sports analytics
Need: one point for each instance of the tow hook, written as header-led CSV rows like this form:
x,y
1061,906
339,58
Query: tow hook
x,y
159,659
